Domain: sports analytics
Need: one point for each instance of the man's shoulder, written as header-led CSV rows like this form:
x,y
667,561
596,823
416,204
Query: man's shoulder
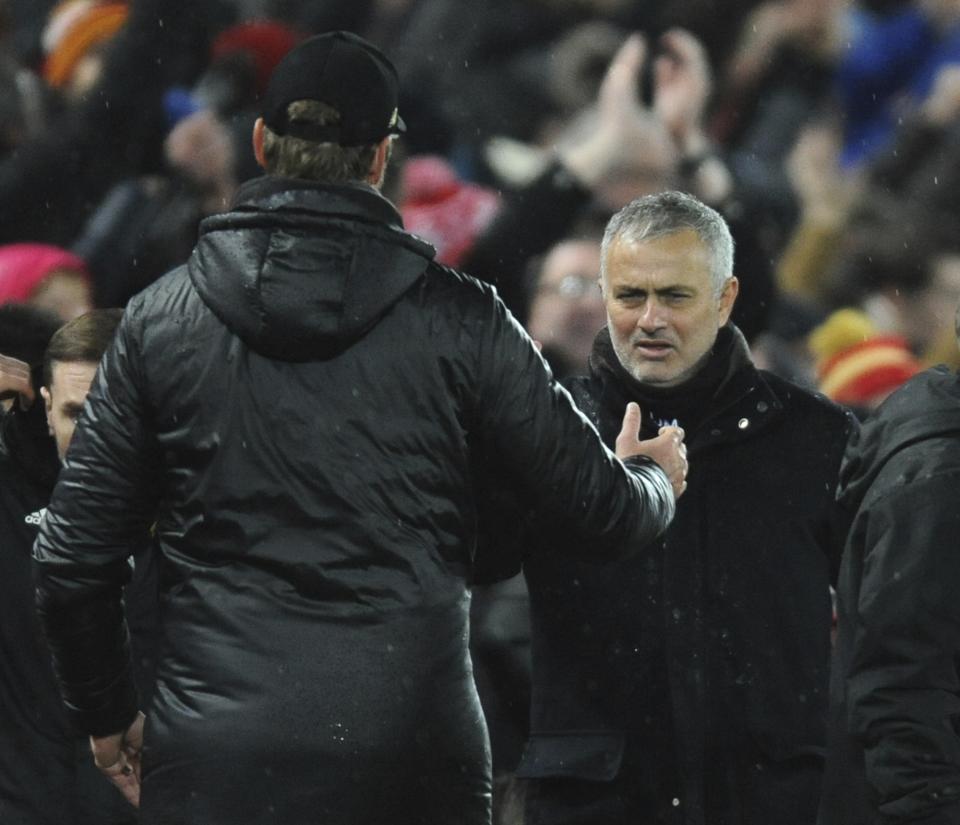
x,y
155,297
442,277
459,294
803,403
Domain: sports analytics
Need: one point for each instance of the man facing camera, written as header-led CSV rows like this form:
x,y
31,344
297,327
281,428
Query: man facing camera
x,y
689,684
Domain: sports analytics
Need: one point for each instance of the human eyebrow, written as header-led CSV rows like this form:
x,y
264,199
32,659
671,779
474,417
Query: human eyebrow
x,y
630,292
71,409
677,289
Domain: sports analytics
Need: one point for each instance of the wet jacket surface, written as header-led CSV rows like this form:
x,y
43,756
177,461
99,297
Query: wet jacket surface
x,y
688,684
895,688
302,406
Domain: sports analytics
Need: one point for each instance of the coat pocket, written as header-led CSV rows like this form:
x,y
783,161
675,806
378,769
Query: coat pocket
x,y
593,755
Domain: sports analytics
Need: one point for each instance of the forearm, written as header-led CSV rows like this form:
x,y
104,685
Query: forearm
x,y
90,647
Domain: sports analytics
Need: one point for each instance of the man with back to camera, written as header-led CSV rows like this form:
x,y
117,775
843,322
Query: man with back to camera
x,y
688,683
301,408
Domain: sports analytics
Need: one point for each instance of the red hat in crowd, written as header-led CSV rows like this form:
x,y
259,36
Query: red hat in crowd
x,y
265,41
443,209
24,266
856,364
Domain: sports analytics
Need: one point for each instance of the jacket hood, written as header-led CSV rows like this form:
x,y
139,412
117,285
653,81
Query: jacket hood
x,y
301,270
926,406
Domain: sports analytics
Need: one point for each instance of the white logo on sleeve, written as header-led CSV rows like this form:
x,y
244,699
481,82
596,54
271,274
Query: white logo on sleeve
x,y
36,518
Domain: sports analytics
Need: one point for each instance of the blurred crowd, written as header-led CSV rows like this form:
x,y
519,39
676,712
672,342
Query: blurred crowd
x,y
821,131
824,131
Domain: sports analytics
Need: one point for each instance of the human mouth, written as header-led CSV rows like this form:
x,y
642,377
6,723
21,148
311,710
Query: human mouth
x,y
653,350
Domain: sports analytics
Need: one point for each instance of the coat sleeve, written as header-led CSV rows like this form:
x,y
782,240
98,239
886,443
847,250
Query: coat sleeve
x,y
99,513
902,685
551,451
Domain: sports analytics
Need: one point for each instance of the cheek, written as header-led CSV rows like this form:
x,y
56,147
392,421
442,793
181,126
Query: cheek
x,y
621,322
63,427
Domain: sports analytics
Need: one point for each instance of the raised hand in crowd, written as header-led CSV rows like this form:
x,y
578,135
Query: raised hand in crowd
x,y
15,381
646,147
607,143
682,85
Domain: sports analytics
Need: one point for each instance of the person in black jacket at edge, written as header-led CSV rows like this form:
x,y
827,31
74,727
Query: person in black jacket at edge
x,y
301,409
894,753
688,684
46,774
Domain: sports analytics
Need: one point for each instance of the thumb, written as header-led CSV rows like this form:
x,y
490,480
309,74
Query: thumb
x,y
106,750
631,422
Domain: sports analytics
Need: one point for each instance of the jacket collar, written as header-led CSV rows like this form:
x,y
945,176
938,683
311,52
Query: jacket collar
x,y
738,399
347,200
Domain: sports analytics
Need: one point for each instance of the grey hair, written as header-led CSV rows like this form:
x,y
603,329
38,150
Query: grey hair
x,y
294,157
655,216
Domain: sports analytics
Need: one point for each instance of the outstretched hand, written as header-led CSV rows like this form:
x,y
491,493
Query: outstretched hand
x,y
667,449
118,758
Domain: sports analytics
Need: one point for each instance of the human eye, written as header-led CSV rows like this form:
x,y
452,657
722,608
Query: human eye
x,y
631,296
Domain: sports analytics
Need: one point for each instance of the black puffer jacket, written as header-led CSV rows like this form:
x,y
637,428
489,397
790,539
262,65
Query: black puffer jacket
x,y
895,688
305,401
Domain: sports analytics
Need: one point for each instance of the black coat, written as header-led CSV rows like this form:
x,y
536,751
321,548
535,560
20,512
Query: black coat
x,y
688,684
47,776
306,401
895,692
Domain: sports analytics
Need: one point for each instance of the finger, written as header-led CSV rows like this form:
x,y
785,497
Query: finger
x,y
129,786
664,70
623,75
682,43
631,422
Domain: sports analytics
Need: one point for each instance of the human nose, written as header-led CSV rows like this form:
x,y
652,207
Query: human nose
x,y
651,317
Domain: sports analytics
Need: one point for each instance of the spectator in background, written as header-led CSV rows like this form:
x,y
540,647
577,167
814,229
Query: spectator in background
x,y
906,279
147,225
566,307
51,185
444,210
857,366
46,277
77,35
622,148
895,56
22,95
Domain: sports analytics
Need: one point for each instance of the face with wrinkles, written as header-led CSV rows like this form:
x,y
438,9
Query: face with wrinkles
x,y
663,310
70,382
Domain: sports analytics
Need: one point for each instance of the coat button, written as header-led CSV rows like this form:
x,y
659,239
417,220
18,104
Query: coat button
x,y
762,406
743,423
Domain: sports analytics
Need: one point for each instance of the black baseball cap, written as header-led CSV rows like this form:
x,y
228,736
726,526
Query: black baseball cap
x,y
345,72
